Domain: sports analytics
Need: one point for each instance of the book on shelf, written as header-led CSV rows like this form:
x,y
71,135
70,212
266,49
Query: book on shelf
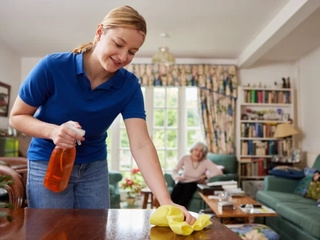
x,y
245,160
256,167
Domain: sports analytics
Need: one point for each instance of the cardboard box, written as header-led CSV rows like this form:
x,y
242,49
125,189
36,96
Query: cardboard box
x,y
225,206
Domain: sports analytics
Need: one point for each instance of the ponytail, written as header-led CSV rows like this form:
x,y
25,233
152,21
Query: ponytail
x,y
83,48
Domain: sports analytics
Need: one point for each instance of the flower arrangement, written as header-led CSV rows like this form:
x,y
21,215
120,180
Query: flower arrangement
x,y
134,184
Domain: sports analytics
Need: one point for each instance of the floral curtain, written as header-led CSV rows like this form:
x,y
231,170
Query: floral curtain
x,y
217,86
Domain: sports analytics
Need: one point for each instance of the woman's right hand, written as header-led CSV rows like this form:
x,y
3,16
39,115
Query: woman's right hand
x,y
180,179
63,136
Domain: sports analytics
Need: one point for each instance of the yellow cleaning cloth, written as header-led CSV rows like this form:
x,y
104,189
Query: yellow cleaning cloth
x,y
171,216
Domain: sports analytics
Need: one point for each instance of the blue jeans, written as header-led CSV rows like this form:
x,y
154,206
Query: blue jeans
x,y
88,187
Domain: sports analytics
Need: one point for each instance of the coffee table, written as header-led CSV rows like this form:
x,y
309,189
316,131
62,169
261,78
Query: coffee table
x,y
237,212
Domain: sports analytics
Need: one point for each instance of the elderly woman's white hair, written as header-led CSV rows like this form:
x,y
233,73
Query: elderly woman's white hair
x,y
202,146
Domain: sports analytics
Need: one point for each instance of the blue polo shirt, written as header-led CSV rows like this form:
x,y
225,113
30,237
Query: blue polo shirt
x,y
59,87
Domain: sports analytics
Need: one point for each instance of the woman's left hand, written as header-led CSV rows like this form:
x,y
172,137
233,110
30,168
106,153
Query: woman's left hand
x,y
202,179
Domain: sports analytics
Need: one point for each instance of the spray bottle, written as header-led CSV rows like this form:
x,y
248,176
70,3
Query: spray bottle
x,y
61,164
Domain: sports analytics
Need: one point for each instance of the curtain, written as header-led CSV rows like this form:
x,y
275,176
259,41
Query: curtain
x,y
217,86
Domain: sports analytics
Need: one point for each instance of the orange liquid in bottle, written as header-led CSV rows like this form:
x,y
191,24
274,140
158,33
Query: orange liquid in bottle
x,y
59,168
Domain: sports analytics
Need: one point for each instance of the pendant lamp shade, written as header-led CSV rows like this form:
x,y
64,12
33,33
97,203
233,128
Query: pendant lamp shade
x,y
163,56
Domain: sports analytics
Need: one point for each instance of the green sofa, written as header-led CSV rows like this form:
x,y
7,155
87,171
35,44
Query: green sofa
x,y
114,178
299,217
230,172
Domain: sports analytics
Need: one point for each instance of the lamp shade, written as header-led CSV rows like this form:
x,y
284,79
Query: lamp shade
x,y
163,56
284,130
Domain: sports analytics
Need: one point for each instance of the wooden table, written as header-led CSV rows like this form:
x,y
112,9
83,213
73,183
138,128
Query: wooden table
x,y
237,212
99,224
149,198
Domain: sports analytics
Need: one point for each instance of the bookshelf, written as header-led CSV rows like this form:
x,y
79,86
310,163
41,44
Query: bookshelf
x,y
259,110
9,147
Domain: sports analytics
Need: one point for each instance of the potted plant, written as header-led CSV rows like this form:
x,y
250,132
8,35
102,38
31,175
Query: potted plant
x,y
133,185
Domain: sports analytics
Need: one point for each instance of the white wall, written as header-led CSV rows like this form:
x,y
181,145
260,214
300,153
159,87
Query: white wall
x,y
10,69
26,65
267,75
309,75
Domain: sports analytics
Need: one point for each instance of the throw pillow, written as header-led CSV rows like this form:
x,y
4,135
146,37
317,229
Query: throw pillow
x,y
304,183
287,172
314,186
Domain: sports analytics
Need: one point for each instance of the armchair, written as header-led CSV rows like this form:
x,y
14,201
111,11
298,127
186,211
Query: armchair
x,y
114,178
230,172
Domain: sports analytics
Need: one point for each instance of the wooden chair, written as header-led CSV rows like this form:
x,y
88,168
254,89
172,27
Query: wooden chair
x,y
19,164
16,191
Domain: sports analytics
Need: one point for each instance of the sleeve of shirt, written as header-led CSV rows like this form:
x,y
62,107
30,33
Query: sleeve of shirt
x,y
212,169
175,172
135,106
37,86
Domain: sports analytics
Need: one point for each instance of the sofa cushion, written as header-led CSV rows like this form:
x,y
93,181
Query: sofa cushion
x,y
229,162
272,198
287,172
303,185
305,216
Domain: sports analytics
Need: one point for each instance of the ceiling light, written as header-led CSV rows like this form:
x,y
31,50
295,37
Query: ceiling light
x,y
163,56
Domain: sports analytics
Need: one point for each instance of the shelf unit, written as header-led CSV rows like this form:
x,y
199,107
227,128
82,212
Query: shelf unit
x,y
9,147
259,110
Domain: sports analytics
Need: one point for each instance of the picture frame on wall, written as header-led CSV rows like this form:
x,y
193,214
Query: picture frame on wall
x,y
4,99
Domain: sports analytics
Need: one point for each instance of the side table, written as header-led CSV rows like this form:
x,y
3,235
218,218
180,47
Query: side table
x,y
148,198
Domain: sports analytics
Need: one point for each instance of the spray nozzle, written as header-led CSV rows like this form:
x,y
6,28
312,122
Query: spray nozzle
x,y
79,131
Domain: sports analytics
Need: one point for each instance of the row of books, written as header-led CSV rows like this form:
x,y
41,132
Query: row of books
x,y
267,96
255,167
261,130
251,147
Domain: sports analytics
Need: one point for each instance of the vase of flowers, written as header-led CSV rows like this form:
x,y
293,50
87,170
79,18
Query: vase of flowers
x,y
133,186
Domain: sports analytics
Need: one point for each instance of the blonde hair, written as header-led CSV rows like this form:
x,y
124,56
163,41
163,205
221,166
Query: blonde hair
x,y
124,16
202,146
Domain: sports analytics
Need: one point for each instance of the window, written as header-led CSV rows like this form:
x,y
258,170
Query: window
x,y
174,124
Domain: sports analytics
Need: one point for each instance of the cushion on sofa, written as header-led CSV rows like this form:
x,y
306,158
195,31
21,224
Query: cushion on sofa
x,y
314,186
304,183
313,190
272,198
305,216
229,162
287,172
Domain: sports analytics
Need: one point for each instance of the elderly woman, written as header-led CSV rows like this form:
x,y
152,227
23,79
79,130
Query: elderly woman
x,y
192,169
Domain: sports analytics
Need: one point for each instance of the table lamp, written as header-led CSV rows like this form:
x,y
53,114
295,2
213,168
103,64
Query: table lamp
x,y
285,131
